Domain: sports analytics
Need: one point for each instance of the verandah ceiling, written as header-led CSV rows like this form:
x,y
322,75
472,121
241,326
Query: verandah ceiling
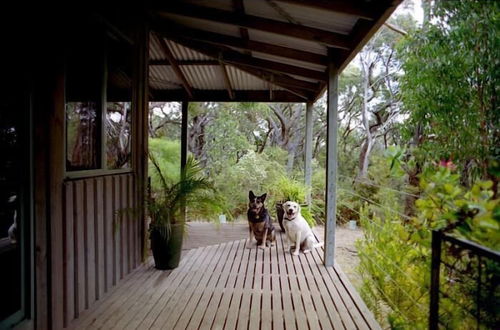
x,y
256,50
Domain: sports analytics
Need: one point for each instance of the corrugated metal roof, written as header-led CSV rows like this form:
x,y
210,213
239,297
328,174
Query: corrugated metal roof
x,y
163,77
184,53
285,41
312,17
204,25
208,77
155,52
289,63
243,81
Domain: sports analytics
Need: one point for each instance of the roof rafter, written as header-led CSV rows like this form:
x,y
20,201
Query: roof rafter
x,y
227,82
329,38
233,57
175,66
239,7
354,8
185,62
221,96
261,47
296,86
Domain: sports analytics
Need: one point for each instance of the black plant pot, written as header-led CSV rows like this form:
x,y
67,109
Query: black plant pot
x,y
167,253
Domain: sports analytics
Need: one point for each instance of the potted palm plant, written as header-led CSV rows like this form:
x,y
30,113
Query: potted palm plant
x,y
166,204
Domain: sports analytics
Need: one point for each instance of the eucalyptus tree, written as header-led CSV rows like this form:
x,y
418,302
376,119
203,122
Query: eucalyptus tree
x,y
451,83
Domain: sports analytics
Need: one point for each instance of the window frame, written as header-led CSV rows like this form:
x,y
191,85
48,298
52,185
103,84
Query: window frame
x,y
103,169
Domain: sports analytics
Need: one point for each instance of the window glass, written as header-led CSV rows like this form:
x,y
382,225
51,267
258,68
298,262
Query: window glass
x,y
119,105
81,135
84,86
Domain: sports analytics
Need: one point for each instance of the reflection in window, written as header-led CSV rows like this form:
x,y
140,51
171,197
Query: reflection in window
x,y
119,105
118,134
81,136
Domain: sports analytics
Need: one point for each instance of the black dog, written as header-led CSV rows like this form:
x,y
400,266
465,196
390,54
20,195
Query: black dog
x,y
259,221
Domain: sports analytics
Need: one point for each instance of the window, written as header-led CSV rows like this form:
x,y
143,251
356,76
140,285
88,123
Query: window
x,y
84,79
119,105
81,136
98,102
118,134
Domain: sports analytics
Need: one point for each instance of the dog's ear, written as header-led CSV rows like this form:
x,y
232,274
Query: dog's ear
x,y
263,197
251,195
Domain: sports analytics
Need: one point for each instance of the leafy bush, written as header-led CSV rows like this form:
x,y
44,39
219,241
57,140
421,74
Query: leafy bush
x,y
168,156
395,255
288,189
252,172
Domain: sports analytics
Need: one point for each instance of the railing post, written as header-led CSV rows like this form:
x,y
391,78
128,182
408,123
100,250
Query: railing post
x,y
435,267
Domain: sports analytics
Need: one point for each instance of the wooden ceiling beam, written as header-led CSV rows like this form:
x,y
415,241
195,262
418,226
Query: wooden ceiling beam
x,y
185,62
170,95
227,82
233,57
239,7
281,80
327,38
173,62
354,8
251,45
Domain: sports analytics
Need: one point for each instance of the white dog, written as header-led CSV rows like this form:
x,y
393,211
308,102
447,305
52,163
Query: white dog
x,y
297,229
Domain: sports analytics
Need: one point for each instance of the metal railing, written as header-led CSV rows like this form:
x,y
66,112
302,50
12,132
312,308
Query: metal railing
x,y
469,267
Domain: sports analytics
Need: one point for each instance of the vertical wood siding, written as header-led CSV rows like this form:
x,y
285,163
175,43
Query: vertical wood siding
x,y
100,238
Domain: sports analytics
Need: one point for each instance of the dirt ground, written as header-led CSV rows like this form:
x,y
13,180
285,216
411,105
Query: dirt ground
x,y
204,234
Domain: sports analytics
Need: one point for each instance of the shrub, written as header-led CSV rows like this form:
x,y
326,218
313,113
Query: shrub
x,y
395,255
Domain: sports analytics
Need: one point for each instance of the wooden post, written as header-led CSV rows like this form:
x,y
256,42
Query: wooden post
x,y
184,133
184,147
434,292
140,123
331,163
308,150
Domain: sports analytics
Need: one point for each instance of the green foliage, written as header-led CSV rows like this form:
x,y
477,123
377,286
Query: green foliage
x,y
168,157
446,205
192,191
226,142
284,189
450,85
395,255
250,173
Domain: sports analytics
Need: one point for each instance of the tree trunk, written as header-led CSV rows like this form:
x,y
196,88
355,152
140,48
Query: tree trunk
x,y
368,144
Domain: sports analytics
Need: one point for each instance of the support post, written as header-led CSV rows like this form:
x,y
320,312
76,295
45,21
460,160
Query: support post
x,y
140,115
184,133
434,292
331,163
184,148
308,151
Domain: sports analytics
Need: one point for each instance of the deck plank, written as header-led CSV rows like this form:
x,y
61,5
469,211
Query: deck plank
x,y
211,274
298,303
225,290
277,304
231,286
211,297
177,294
131,310
288,310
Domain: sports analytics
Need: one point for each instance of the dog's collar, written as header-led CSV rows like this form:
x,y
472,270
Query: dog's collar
x,y
288,219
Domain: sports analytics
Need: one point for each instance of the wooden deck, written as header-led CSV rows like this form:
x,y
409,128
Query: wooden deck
x,y
230,286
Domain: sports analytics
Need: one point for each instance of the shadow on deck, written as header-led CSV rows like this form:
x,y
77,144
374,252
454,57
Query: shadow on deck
x,y
229,286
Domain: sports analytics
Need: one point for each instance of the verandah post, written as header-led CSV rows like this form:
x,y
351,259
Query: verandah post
x,y
331,161
184,146
308,150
